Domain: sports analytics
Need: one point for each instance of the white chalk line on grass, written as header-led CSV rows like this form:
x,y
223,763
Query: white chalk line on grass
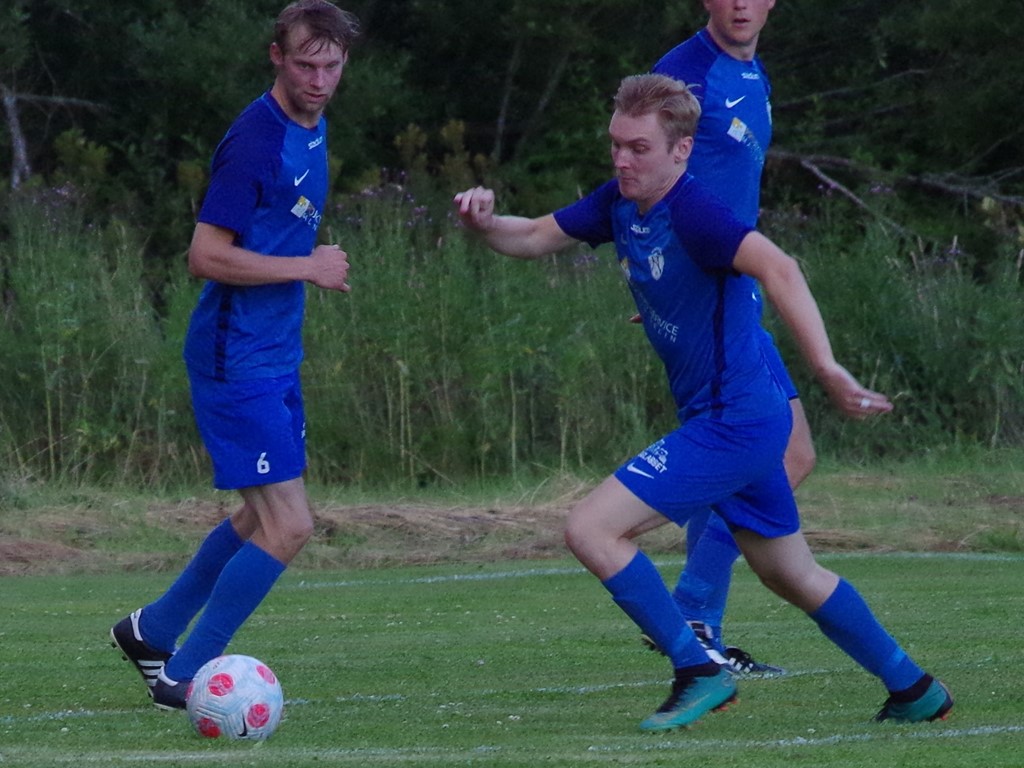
x,y
444,755
526,573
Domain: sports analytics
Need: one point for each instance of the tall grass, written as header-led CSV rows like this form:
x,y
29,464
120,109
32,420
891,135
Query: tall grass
x,y
448,362
88,390
946,344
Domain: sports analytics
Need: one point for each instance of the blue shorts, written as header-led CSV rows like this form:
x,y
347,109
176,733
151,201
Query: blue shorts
x,y
737,468
777,367
254,431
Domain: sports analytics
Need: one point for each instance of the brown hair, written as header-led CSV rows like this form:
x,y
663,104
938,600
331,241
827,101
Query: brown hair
x,y
678,111
325,22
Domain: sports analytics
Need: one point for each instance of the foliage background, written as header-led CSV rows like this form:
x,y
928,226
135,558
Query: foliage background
x,y
895,178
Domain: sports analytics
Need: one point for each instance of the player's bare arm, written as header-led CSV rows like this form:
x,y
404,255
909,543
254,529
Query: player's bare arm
x,y
213,255
515,236
784,285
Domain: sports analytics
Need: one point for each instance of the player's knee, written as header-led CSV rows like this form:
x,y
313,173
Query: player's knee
x,y
290,538
302,532
585,541
575,536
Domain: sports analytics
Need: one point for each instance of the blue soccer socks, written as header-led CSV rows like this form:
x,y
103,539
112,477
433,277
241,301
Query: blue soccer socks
x,y
164,620
639,590
703,587
848,622
244,582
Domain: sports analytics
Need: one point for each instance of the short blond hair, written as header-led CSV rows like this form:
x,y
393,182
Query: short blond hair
x,y
678,111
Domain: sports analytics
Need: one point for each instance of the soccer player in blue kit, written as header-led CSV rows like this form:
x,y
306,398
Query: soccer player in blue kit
x,y
721,67
255,243
690,265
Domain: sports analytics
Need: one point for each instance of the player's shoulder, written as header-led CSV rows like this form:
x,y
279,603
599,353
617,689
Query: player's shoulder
x,y
256,134
694,206
689,61
261,120
691,195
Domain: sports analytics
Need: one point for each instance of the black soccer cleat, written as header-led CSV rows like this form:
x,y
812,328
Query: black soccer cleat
x,y
125,636
168,694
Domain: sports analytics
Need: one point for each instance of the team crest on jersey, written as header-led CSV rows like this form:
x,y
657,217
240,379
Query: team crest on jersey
x,y
656,263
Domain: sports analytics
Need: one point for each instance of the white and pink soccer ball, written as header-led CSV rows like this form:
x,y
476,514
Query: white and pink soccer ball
x,y
237,697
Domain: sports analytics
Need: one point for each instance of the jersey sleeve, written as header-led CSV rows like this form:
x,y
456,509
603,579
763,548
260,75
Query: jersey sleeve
x,y
590,219
707,228
241,173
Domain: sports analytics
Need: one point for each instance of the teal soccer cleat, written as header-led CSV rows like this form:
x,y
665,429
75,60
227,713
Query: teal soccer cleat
x,y
934,704
691,699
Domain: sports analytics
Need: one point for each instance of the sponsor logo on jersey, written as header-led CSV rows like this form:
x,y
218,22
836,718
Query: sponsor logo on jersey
x,y
737,129
305,210
730,103
635,471
656,456
316,142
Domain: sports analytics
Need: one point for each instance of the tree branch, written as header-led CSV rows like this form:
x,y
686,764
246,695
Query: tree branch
x,y
812,164
848,91
977,188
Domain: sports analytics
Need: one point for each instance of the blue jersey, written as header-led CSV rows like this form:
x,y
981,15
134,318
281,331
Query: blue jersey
x,y
696,309
268,185
735,126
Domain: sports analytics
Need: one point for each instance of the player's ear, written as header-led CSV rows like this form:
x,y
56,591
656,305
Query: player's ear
x,y
276,55
683,148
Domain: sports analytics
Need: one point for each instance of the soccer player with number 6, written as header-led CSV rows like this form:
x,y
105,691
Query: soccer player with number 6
x,y
255,243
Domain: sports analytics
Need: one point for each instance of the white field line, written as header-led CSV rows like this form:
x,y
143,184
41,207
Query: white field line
x,y
447,756
579,570
9,755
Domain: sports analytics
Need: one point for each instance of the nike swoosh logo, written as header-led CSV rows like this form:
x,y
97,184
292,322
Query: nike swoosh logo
x,y
298,179
730,103
635,471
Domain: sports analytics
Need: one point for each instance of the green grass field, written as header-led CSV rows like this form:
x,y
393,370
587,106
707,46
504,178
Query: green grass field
x,y
519,664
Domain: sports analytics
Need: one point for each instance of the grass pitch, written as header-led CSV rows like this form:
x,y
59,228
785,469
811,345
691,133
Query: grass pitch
x,y
519,664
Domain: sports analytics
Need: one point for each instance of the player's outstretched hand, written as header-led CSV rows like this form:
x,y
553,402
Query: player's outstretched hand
x,y
852,399
330,268
475,208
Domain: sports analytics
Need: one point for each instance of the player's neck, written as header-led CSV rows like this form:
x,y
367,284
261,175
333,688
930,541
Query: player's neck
x,y
741,50
307,118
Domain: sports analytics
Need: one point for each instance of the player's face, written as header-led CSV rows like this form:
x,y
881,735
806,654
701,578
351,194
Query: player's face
x,y
645,165
306,78
736,24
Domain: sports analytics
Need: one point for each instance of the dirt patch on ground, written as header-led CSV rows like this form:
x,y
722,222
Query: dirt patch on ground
x,y
76,539
100,534
24,556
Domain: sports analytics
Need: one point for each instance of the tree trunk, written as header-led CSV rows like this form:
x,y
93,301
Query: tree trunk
x,y
554,80
506,98
20,168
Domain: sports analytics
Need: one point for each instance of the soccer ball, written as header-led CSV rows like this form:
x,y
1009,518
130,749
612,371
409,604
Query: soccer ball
x,y
237,697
